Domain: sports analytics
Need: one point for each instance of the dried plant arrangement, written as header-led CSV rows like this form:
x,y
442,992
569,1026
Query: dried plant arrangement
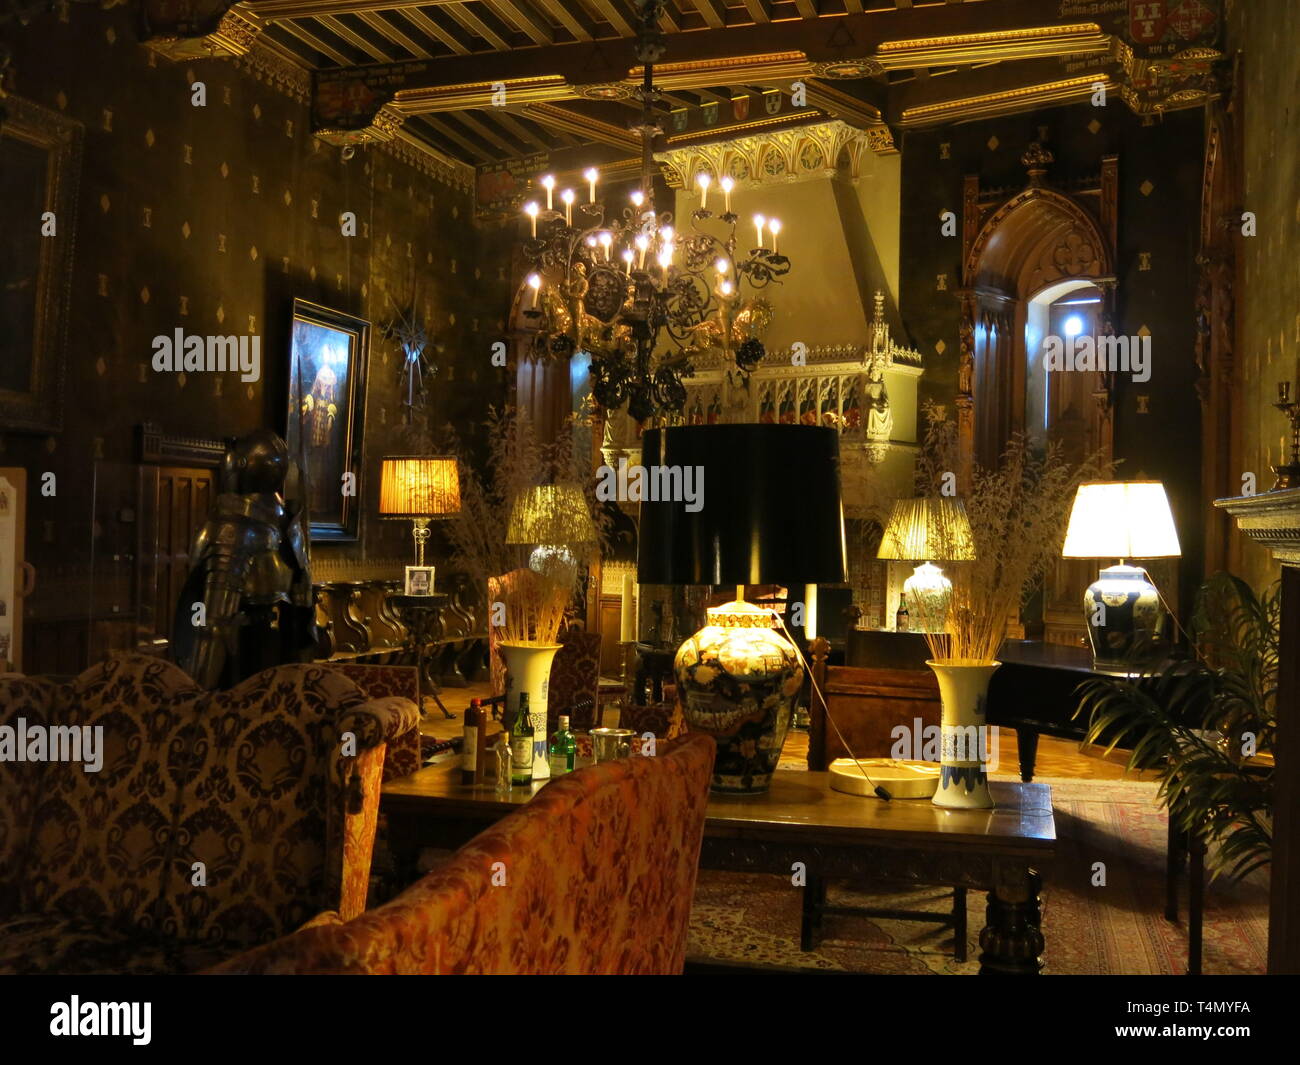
x,y
528,526
1018,514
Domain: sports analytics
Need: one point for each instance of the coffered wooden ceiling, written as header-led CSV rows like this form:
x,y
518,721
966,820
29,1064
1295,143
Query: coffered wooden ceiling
x,y
427,69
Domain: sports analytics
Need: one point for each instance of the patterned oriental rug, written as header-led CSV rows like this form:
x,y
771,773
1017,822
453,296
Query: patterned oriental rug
x,y
752,919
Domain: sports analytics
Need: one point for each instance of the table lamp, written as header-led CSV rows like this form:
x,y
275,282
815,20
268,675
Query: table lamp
x,y
1121,520
557,519
419,487
926,530
738,505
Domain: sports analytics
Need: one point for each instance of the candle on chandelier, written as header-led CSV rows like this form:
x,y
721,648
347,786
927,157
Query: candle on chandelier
x,y
727,185
724,287
548,183
591,174
642,244
774,225
638,198
627,259
606,239
531,209
534,283
722,266
759,223
568,197
704,181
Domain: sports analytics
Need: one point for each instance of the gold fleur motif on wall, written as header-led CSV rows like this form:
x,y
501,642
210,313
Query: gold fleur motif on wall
x,y
185,230
1146,188
993,143
149,138
144,294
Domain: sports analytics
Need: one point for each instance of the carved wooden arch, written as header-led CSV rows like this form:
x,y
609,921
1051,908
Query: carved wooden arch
x,y
1013,249
1074,220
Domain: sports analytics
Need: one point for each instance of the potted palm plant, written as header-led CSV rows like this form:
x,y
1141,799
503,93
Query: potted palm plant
x,y
1206,726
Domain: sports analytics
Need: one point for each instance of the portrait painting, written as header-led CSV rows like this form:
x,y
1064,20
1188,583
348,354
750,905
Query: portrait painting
x,y
327,399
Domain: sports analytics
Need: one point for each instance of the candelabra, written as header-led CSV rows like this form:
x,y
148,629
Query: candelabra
x,y
1288,476
628,288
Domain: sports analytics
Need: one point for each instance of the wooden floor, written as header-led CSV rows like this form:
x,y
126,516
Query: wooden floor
x,y
1056,757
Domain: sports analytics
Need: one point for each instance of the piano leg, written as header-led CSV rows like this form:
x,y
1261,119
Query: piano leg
x,y
1027,745
814,901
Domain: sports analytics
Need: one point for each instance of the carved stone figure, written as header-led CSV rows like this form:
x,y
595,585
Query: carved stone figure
x,y
250,571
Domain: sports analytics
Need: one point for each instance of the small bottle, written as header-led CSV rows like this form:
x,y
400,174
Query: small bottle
x,y
902,617
504,760
469,751
563,750
521,744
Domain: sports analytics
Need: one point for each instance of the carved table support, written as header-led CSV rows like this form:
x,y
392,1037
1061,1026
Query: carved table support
x,y
1012,939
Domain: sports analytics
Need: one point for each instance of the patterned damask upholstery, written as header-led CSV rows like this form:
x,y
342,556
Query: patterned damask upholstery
x,y
100,870
664,721
403,757
575,680
599,874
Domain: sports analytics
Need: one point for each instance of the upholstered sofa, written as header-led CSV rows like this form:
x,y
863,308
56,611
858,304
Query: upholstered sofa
x,y
217,821
595,875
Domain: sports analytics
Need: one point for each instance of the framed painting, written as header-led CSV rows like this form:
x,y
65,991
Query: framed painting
x,y
328,351
41,150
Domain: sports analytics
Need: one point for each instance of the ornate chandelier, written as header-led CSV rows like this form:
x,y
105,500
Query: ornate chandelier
x,y
630,289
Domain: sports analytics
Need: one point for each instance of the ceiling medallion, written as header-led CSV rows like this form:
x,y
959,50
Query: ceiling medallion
x,y
847,69
610,90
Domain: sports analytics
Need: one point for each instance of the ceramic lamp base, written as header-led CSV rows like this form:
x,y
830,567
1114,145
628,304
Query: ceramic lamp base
x,y
929,594
738,678
1123,613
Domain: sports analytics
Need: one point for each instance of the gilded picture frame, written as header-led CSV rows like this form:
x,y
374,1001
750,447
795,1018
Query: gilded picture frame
x,y
38,213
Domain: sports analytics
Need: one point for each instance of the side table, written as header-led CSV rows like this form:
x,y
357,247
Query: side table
x,y
423,617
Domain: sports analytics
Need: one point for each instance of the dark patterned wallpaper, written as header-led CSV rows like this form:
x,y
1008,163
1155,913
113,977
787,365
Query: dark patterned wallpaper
x,y
212,219
1268,307
1157,425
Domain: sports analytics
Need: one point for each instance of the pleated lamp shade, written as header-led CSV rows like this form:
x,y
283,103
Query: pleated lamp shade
x,y
551,514
418,486
928,530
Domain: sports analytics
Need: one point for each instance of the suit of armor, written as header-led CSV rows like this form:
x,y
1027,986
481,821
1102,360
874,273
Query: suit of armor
x,y
250,571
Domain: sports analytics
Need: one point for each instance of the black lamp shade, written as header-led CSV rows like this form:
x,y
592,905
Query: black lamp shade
x,y
771,510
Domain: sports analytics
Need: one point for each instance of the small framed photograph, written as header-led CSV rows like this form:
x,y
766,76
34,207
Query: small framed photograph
x,y
419,580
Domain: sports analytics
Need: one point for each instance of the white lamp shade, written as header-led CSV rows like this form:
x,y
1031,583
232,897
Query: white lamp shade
x,y
1121,519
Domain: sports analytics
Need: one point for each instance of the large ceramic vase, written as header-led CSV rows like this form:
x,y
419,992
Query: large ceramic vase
x,y
528,669
963,692
738,678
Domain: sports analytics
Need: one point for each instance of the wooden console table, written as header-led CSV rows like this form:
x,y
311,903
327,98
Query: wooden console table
x,y
1001,851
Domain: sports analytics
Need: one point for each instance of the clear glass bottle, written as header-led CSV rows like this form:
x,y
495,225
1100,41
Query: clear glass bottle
x,y
503,762
563,749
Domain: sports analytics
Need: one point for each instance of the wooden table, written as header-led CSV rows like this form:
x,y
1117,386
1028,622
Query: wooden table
x,y
800,820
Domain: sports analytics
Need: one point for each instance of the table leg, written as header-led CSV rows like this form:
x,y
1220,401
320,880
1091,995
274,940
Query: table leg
x,y
1012,939
1175,856
810,924
1027,743
1195,905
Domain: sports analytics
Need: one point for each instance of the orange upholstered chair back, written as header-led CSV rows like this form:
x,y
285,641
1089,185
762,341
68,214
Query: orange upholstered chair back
x,y
594,876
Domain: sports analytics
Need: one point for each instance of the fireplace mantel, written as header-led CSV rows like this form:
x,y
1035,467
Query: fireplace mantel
x,y
1271,519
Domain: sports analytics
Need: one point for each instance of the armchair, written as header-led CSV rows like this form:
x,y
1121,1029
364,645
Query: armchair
x,y
599,872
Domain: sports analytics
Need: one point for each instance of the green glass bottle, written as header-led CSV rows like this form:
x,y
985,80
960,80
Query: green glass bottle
x,y
563,749
521,744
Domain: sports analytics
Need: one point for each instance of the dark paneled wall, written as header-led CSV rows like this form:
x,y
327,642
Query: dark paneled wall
x,y
1159,203
212,219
